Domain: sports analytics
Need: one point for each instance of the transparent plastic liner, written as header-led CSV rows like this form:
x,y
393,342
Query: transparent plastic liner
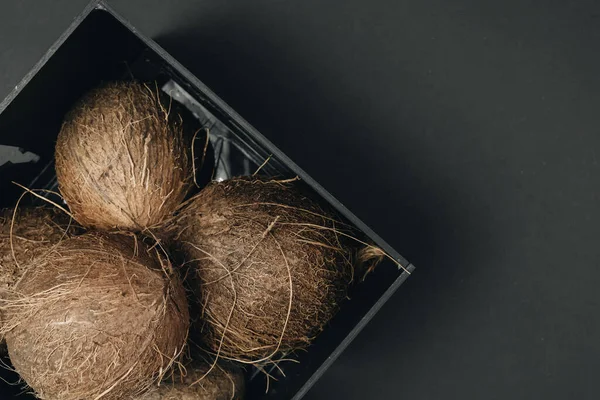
x,y
233,156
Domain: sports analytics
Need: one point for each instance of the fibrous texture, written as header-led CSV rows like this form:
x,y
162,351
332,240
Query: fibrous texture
x,y
29,233
121,158
268,264
201,382
99,317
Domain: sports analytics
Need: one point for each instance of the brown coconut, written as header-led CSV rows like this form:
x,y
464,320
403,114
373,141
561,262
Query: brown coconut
x,y
35,231
99,317
268,263
201,382
121,157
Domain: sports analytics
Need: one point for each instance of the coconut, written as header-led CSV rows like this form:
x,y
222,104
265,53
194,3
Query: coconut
x,y
268,263
202,382
34,232
121,157
98,317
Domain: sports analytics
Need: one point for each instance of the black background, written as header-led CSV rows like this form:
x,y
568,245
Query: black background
x,y
465,132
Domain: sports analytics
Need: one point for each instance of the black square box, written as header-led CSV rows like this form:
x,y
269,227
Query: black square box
x,y
99,46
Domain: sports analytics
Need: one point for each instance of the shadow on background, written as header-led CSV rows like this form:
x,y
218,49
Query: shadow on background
x,y
335,136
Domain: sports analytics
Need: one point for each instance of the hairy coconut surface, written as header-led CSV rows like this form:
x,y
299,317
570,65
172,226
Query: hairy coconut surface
x,y
269,265
200,382
121,157
35,231
99,317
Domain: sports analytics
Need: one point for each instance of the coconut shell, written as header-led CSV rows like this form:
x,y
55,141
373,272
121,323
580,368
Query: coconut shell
x,y
223,382
34,232
98,317
269,266
121,157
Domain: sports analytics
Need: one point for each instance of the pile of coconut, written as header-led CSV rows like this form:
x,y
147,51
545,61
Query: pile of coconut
x,y
104,296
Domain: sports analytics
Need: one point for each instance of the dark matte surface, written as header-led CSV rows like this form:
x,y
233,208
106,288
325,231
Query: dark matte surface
x,y
465,133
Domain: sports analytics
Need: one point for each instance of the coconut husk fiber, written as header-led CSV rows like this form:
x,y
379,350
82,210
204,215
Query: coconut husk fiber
x,y
201,382
35,231
268,263
99,317
122,158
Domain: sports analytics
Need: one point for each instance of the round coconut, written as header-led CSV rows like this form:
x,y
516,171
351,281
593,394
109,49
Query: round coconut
x,y
268,263
34,232
222,382
99,317
121,157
